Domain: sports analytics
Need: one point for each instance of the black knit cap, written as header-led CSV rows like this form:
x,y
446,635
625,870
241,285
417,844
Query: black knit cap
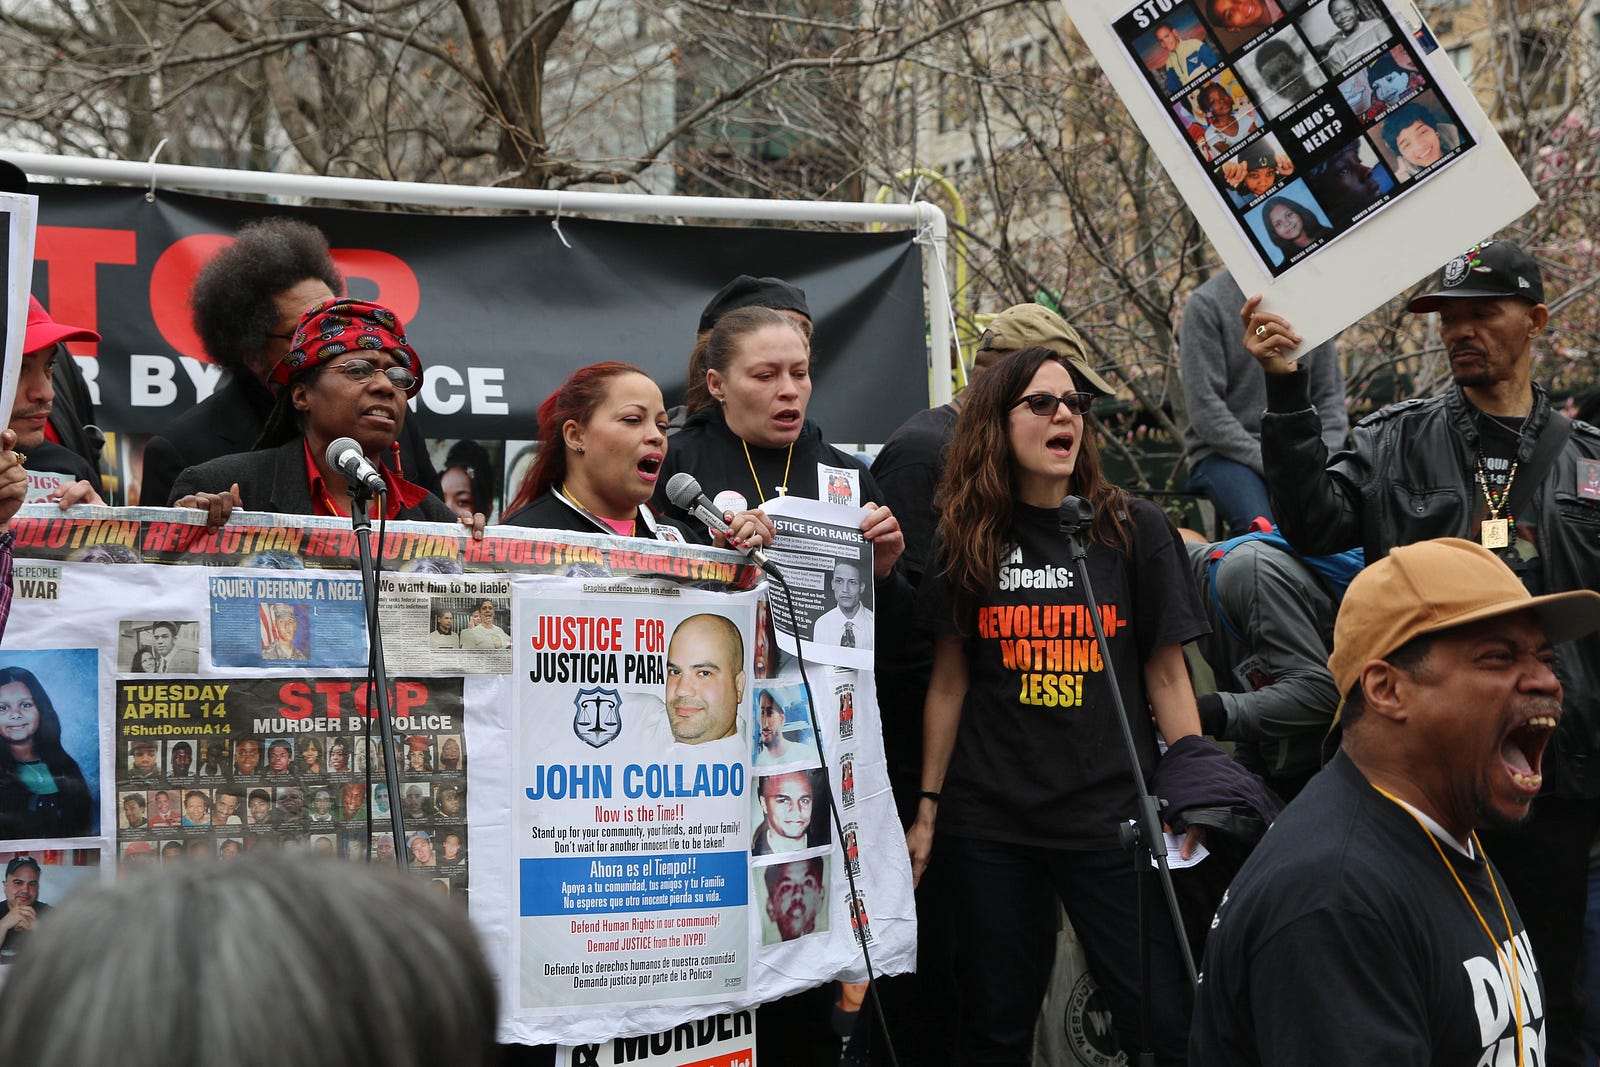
x,y
746,291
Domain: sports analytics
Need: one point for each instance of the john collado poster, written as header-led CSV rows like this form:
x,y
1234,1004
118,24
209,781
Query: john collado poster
x,y
630,832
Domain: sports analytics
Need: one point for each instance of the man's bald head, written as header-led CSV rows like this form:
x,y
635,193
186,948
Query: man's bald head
x,y
705,679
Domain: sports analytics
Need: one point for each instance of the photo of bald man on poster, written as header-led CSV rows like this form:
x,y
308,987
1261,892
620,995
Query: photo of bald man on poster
x,y
705,679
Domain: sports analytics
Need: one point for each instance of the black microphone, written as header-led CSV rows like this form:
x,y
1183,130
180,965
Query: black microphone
x,y
684,491
1075,515
346,457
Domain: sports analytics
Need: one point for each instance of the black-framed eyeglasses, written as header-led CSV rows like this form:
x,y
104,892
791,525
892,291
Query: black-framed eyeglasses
x,y
282,337
359,370
1044,404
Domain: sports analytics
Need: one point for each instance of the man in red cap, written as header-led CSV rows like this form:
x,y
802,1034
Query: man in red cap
x,y
36,394
72,414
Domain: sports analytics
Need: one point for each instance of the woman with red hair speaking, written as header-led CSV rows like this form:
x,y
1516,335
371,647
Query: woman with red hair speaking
x,y
602,440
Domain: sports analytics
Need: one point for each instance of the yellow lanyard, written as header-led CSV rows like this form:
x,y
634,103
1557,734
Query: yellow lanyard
x,y
781,489
1516,981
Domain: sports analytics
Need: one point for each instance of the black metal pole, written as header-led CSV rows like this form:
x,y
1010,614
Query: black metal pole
x,y
1148,843
361,524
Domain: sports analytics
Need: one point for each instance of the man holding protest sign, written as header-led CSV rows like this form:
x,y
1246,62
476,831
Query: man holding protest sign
x,y
36,393
1225,397
1491,461
75,481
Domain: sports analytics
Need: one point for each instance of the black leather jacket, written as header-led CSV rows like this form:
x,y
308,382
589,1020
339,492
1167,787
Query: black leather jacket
x,y
1410,475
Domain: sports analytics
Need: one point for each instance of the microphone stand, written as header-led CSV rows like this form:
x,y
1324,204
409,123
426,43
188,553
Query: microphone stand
x,y
361,524
1144,839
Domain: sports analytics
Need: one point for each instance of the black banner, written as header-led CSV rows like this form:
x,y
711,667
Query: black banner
x,y
499,308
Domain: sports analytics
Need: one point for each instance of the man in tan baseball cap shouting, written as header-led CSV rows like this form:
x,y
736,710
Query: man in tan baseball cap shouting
x,y
1373,880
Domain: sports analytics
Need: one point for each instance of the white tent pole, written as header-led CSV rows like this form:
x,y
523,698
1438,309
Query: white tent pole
x,y
214,179
933,223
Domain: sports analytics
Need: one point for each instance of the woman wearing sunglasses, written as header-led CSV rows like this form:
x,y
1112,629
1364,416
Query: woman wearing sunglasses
x,y
1024,773
348,373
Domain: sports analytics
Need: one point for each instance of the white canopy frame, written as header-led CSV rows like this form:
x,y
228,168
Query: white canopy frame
x,y
929,221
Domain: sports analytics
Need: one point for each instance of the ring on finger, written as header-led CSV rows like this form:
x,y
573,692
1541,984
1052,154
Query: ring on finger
x,y
1261,331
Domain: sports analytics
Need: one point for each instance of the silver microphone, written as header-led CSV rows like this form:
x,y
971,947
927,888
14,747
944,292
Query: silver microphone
x,y
346,457
684,491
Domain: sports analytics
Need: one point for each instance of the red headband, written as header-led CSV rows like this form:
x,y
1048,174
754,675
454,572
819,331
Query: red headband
x,y
335,327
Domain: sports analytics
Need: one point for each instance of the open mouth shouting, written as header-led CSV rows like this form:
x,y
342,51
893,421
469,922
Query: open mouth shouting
x,y
1522,748
649,467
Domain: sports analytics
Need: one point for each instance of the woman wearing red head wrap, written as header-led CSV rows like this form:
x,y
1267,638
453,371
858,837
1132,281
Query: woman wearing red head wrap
x,y
348,374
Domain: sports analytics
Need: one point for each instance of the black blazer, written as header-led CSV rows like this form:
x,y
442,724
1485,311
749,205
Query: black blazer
x,y
227,421
59,459
274,479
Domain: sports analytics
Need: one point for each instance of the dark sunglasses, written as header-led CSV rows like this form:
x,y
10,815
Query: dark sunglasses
x,y
1044,404
359,370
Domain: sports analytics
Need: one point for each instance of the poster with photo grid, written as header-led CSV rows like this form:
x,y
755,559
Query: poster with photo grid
x,y
1308,118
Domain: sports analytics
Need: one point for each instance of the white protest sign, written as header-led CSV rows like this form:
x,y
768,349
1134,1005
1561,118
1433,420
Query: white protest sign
x,y
1256,110
213,698
827,567
727,1040
20,213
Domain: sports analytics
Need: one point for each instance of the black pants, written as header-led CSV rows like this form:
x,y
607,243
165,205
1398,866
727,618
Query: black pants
x,y
921,1010
1007,894
1545,864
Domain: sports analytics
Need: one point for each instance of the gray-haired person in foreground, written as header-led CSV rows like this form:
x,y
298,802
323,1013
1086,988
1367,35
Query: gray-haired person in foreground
x,y
360,995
